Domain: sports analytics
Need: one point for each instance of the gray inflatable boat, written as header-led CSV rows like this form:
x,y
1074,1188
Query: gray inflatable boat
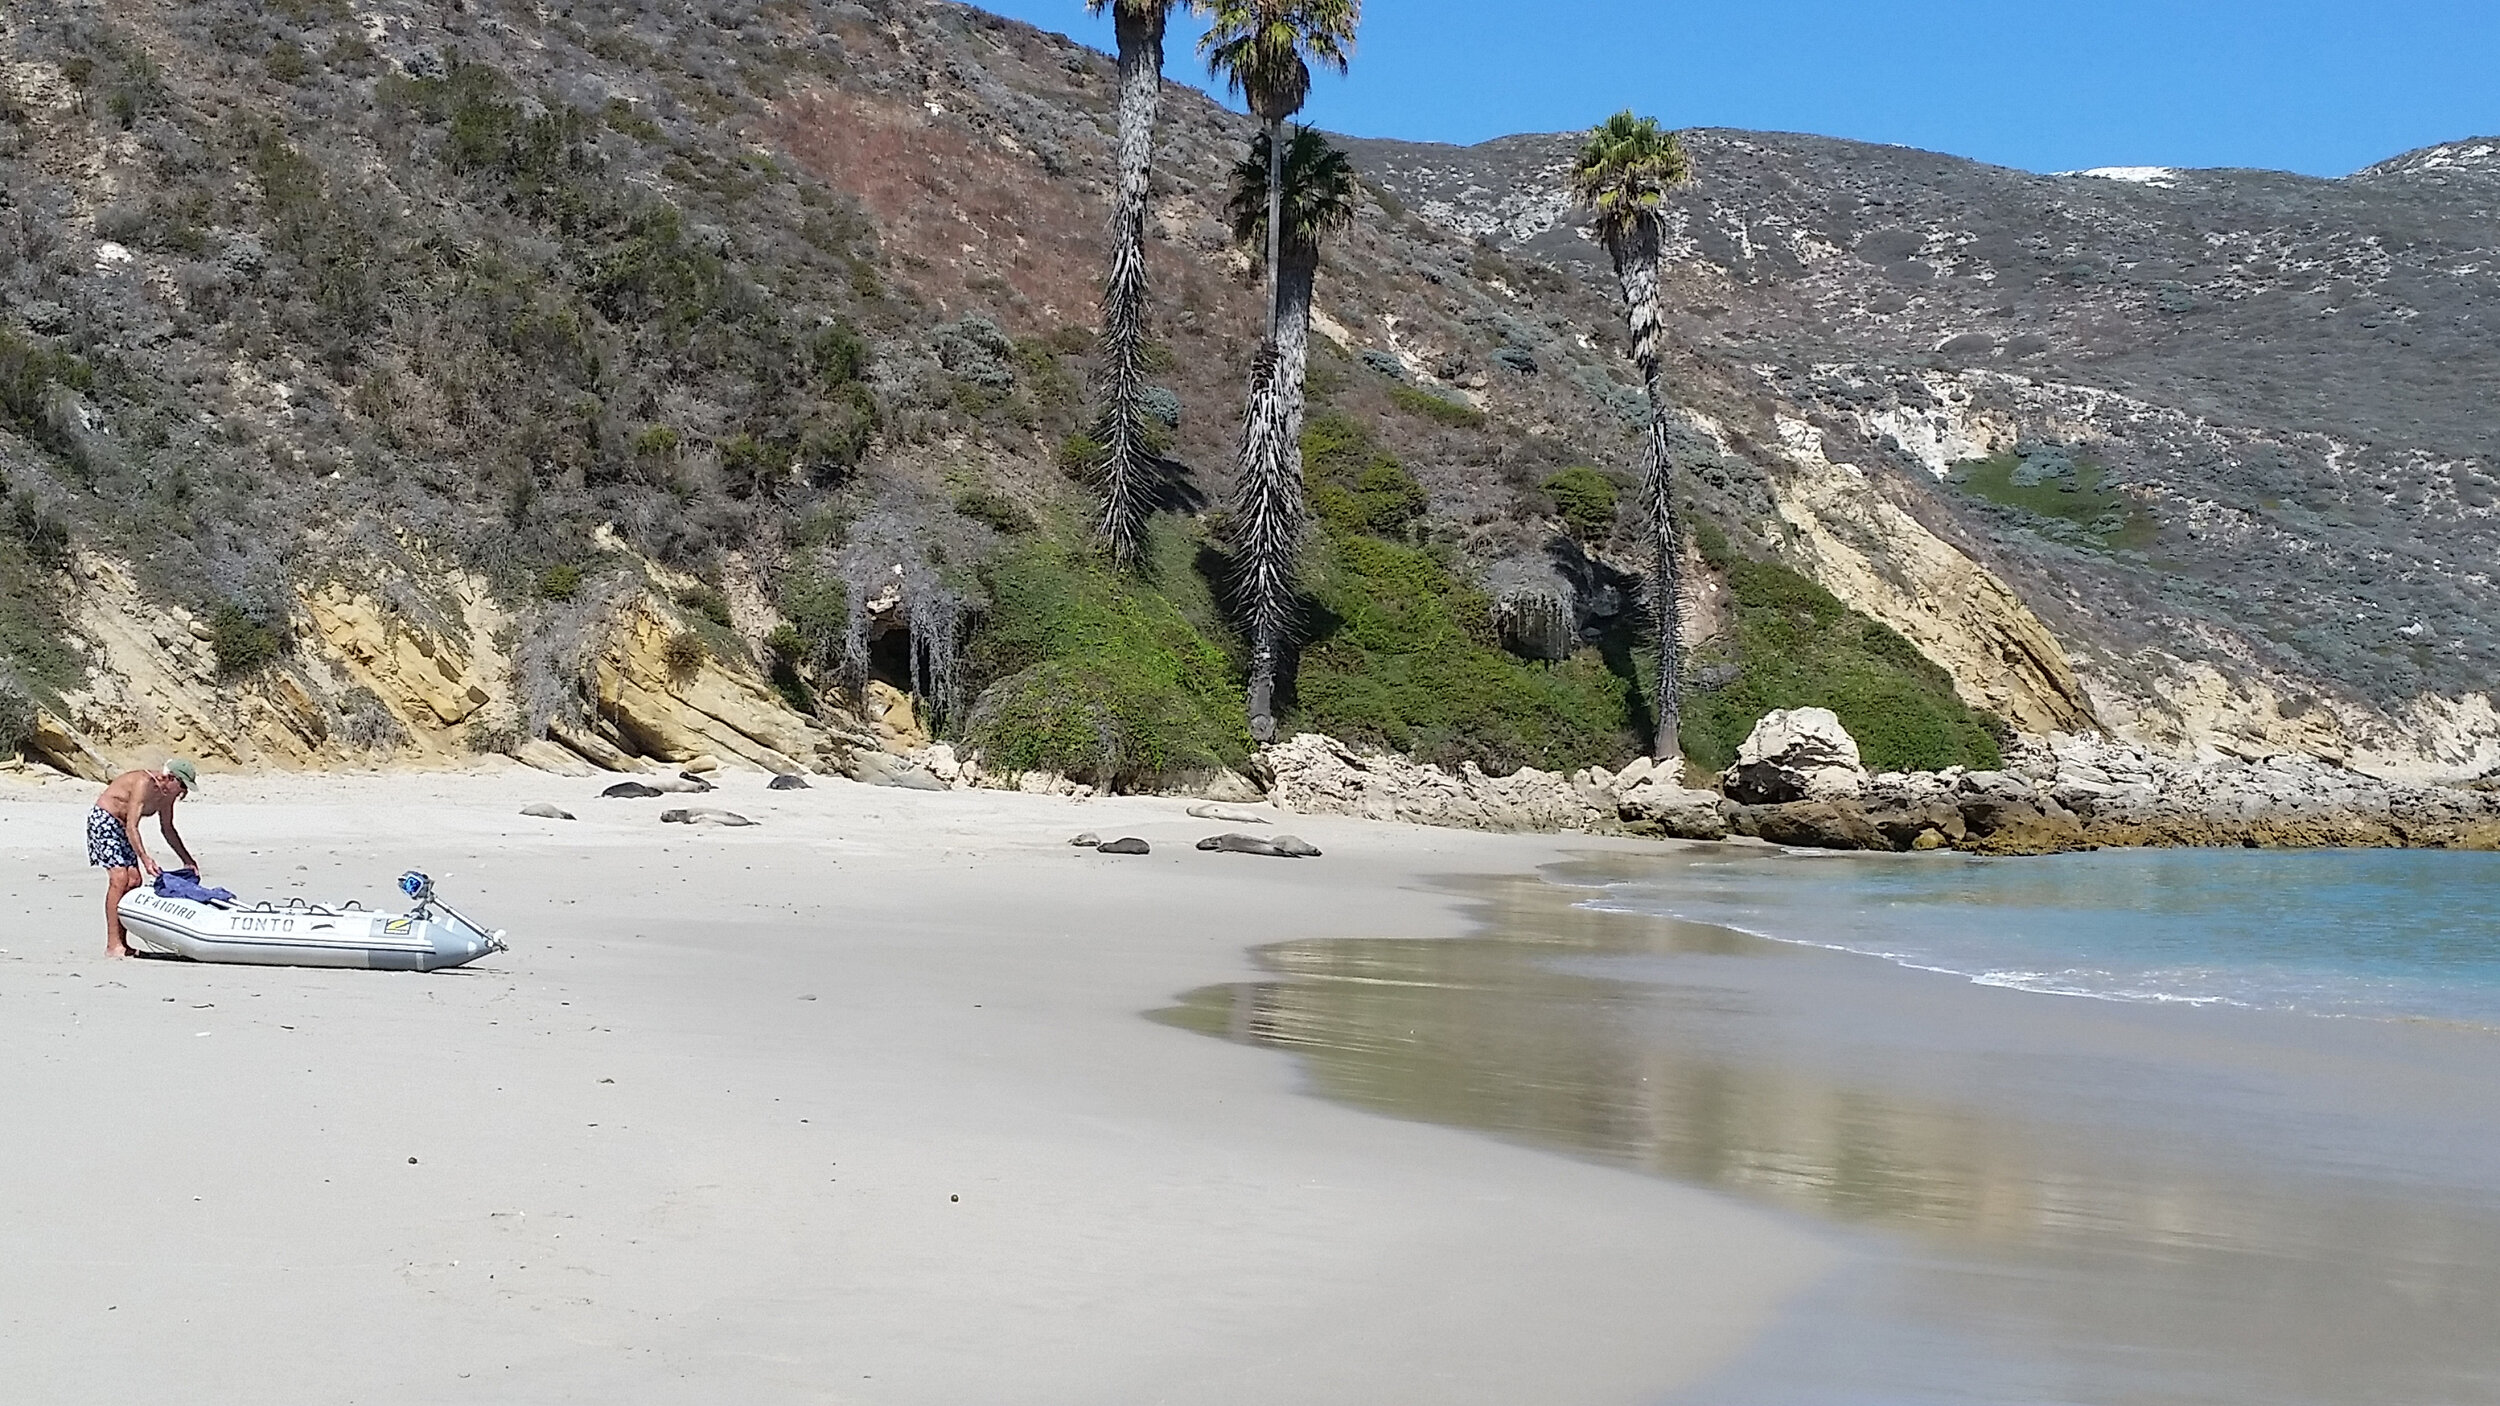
x,y
430,936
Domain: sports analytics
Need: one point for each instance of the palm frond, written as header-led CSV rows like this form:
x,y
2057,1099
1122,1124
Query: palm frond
x,y
1320,191
1265,49
1624,171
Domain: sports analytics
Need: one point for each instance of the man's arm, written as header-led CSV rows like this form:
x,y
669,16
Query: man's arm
x,y
165,823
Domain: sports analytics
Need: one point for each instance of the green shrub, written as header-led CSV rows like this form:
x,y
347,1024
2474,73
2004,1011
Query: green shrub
x,y
1439,409
1090,673
706,602
43,533
562,581
837,433
1080,457
1794,645
787,650
1406,659
287,62
17,716
995,510
838,354
1354,484
1585,499
684,654
241,642
819,610
2058,494
657,442
27,371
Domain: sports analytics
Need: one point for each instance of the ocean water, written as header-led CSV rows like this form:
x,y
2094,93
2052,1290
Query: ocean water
x,y
2202,1188
2372,933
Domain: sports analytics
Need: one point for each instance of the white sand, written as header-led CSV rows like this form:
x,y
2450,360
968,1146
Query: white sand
x,y
698,1136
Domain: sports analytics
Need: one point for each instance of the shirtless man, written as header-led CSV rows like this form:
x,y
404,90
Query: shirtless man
x,y
113,843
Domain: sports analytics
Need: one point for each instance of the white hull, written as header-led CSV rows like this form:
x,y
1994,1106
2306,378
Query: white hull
x,y
302,935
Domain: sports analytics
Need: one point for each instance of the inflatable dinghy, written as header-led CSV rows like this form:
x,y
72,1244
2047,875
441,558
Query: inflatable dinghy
x,y
428,937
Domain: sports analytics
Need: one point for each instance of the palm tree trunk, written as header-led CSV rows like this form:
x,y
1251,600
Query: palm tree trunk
x,y
1275,226
1636,265
1667,584
1267,535
1121,364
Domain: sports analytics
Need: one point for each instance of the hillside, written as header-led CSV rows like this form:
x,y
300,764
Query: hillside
x,y
2226,421
413,379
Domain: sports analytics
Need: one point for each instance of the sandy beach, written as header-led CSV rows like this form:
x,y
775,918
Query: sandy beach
x,y
856,1105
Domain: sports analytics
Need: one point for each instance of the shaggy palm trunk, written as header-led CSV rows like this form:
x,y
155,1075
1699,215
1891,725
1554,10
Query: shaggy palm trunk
x,y
1298,273
1121,371
1636,264
1267,533
1667,604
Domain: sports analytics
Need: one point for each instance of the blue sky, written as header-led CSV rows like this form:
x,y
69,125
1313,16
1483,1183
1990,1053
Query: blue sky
x,y
2048,85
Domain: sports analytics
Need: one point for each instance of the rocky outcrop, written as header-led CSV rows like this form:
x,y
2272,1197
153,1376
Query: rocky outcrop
x,y
359,681
1653,799
1321,776
667,701
1800,754
2088,793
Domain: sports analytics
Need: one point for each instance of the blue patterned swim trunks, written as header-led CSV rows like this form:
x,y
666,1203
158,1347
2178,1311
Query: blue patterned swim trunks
x,y
108,845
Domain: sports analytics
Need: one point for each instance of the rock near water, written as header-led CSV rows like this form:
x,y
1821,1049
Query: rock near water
x,y
1800,754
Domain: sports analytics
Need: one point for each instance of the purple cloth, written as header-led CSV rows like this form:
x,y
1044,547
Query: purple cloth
x,y
185,883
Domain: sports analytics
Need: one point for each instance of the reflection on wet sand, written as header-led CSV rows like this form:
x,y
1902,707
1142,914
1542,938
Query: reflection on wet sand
x,y
2191,1241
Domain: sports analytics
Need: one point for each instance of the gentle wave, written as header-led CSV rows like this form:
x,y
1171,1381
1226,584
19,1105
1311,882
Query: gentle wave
x,y
2380,934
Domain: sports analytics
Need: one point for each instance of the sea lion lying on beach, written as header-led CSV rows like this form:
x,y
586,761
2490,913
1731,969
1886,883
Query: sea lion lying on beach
x,y
790,781
700,816
1282,846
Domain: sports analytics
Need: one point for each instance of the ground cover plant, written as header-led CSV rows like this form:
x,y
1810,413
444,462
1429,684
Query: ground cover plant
x,y
1792,644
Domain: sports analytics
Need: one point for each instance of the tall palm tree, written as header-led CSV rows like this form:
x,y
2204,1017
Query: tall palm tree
x,y
1264,49
1120,374
1293,217
1624,172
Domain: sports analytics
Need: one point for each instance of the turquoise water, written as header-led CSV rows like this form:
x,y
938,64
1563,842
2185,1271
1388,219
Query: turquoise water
x,y
2377,933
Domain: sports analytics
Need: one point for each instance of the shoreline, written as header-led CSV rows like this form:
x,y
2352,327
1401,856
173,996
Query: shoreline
x,y
2086,1201
818,1030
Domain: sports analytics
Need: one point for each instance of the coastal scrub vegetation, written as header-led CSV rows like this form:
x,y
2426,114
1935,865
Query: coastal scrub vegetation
x,y
1090,672
1792,644
1401,650
2057,494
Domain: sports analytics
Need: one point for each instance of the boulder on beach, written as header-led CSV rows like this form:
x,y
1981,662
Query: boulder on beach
x,y
1129,844
1230,815
1656,797
544,811
885,769
1796,754
790,781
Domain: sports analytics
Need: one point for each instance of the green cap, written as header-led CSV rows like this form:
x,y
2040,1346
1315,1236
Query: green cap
x,y
181,769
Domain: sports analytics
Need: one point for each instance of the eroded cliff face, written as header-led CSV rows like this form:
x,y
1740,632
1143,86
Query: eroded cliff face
x,y
1883,562
360,685
653,702
363,684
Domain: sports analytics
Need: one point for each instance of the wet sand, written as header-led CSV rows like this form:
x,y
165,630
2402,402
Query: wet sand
x,y
2046,1198
856,1106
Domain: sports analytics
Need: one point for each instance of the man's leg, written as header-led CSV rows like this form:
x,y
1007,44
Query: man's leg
x,y
121,881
